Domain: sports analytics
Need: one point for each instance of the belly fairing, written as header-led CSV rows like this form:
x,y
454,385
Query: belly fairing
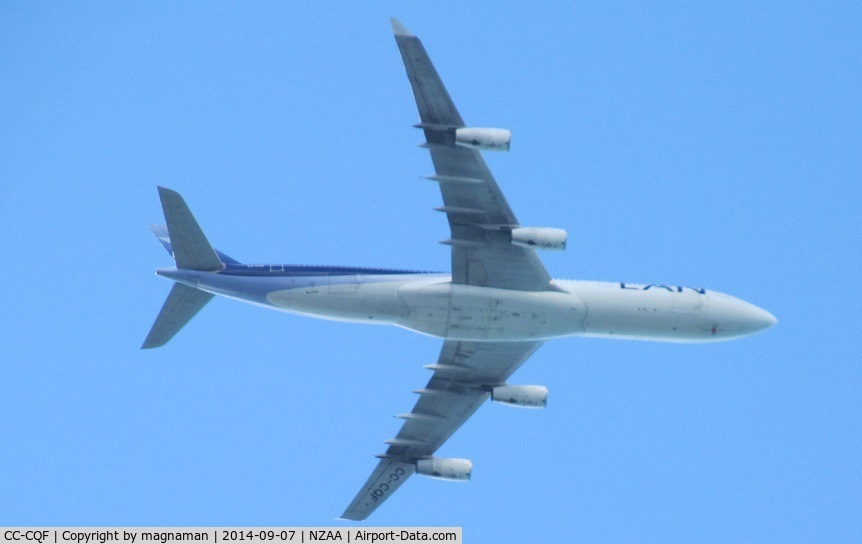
x,y
466,312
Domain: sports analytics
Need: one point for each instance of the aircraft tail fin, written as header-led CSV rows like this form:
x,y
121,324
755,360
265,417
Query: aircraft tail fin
x,y
182,304
186,242
189,245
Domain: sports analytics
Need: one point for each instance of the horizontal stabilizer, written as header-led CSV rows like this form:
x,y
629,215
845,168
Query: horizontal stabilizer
x,y
182,304
190,246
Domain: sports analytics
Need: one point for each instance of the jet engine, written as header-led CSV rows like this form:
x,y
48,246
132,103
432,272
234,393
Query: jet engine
x,y
491,139
445,469
522,396
540,238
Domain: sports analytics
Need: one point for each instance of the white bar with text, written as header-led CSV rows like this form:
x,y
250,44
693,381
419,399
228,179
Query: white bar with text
x,y
226,535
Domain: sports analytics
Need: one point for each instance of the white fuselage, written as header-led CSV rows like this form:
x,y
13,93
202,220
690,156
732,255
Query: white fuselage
x,y
433,305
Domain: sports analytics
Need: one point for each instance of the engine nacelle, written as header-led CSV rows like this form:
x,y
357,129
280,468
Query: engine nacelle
x,y
491,139
540,238
445,469
522,396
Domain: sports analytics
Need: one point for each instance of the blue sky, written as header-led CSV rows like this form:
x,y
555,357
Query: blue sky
x,y
714,145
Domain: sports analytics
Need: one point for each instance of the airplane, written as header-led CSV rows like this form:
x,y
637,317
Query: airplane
x,y
493,310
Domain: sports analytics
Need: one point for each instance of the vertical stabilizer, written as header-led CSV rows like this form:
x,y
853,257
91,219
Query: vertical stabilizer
x,y
190,246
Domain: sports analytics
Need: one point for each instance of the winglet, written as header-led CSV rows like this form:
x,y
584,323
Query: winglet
x,y
398,28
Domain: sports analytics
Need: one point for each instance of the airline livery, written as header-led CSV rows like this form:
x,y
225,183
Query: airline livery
x,y
492,311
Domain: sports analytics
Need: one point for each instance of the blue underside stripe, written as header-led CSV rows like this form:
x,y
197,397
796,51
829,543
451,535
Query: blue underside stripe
x,y
291,270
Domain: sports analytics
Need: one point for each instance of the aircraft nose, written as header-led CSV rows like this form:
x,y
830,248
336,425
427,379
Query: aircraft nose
x,y
758,319
729,317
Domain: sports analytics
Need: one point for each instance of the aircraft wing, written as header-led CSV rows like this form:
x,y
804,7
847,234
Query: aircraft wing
x,y
476,208
451,396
